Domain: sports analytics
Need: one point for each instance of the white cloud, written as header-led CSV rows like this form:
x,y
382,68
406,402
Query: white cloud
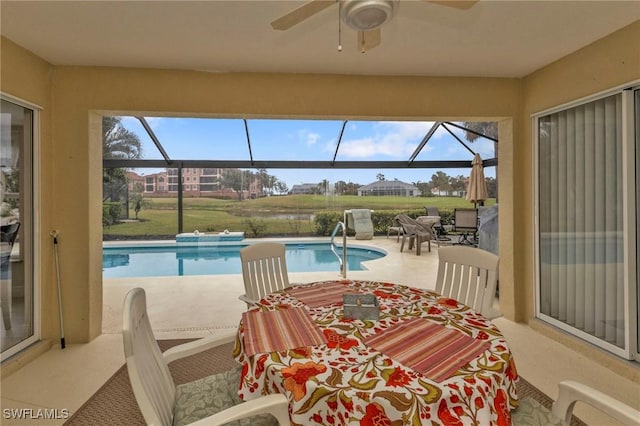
x,y
308,137
311,139
391,139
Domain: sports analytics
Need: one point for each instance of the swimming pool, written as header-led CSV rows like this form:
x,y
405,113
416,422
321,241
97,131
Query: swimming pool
x,y
171,260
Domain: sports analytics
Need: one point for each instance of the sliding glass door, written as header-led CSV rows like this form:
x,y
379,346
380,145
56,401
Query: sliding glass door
x,y
586,232
17,296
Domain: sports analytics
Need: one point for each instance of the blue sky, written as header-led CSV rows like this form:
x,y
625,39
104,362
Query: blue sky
x,y
225,139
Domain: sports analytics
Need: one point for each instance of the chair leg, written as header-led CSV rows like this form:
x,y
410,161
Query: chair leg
x,y
411,241
419,242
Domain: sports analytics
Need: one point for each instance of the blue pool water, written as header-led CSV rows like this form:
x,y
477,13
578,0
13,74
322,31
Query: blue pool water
x,y
155,261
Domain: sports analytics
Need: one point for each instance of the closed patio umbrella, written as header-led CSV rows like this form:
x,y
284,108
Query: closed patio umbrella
x,y
477,189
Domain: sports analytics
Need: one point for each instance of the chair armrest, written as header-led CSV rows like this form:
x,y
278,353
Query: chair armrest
x,y
276,404
249,302
492,313
197,346
570,392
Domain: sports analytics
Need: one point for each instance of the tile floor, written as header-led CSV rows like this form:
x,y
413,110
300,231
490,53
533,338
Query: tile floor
x,y
65,379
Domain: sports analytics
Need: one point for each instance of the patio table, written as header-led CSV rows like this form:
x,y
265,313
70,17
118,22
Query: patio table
x,y
426,360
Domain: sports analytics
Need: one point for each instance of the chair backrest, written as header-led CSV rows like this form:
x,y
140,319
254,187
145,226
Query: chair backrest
x,y
466,219
264,269
412,226
9,233
149,374
432,211
468,275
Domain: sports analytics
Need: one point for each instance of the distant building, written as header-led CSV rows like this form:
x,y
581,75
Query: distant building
x,y
195,183
389,187
304,188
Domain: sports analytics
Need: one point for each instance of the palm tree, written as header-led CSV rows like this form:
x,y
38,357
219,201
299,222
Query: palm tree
x,y
117,143
441,181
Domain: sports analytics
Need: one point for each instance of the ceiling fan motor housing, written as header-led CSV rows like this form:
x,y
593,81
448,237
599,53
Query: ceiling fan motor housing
x,y
365,15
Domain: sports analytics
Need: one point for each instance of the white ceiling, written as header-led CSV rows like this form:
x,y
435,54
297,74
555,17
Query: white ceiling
x,y
492,39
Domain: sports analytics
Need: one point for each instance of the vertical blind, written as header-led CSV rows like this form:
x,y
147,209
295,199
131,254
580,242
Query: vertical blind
x,y
581,218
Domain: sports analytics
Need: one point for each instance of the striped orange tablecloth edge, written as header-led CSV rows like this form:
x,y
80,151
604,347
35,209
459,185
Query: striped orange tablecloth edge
x,y
320,295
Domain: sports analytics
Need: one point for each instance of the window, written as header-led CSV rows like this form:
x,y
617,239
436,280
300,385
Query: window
x,y
582,230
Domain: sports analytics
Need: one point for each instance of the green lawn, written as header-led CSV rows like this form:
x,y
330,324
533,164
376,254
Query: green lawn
x,y
275,215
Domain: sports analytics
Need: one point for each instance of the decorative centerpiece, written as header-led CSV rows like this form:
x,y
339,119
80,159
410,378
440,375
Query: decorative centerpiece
x,y
361,306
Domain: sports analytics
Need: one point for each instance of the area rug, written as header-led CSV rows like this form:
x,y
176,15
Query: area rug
x,y
114,403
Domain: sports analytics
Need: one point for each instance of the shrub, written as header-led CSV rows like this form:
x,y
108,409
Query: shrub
x,y
111,212
256,226
325,222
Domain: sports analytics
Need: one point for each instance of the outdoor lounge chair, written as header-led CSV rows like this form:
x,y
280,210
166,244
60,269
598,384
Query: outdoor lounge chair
x,y
212,400
470,276
264,270
360,221
415,233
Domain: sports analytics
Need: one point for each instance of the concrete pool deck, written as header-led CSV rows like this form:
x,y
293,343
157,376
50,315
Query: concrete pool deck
x,y
172,301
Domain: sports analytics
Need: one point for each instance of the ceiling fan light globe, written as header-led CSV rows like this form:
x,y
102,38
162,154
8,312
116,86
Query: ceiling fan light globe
x,y
365,15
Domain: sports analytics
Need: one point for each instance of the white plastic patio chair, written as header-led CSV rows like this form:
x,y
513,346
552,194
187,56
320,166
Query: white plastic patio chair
x,y
532,413
470,276
264,270
212,400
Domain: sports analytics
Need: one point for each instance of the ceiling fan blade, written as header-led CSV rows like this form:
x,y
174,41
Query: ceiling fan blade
x,y
300,14
367,40
458,4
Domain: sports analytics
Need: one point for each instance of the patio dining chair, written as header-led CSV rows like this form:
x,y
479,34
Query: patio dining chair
x,y
465,222
470,276
8,235
441,232
264,270
532,413
212,400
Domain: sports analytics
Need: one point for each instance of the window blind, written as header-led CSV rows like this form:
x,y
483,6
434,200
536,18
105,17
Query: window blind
x,y
581,218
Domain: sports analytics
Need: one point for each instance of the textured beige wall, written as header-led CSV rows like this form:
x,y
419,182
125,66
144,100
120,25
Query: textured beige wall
x,y
71,170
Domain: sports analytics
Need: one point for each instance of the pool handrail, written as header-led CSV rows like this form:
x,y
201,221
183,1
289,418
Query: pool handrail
x,y
342,260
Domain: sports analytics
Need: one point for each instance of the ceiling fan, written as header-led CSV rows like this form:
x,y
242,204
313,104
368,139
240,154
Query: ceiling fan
x,y
364,16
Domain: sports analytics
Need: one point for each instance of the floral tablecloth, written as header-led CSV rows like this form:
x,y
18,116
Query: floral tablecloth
x,y
346,381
